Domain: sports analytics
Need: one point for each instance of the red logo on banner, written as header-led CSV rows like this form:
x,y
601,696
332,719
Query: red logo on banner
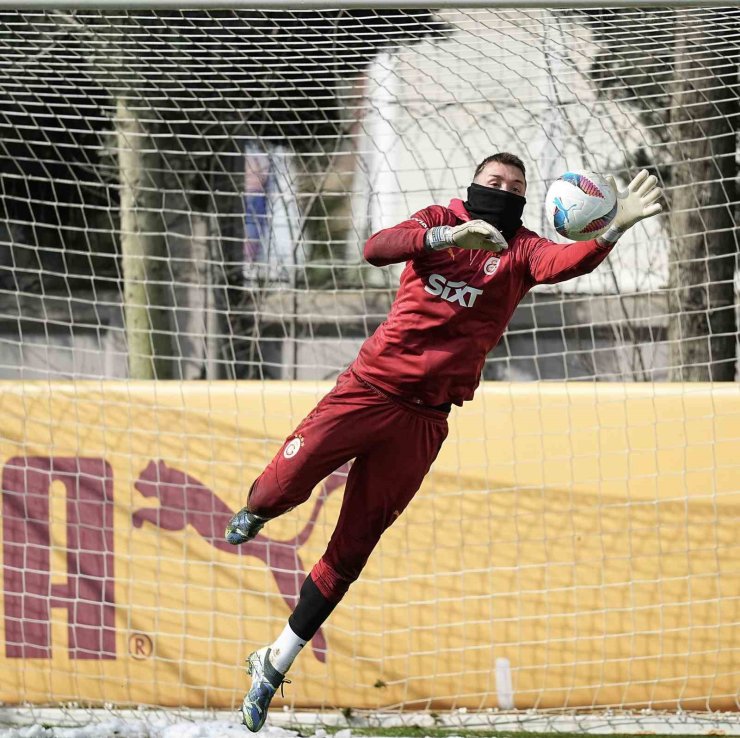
x,y
185,500
88,593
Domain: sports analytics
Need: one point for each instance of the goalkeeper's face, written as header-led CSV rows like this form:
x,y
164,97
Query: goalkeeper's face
x,y
502,177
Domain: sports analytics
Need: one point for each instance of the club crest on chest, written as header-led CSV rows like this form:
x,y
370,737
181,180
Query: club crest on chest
x,y
491,265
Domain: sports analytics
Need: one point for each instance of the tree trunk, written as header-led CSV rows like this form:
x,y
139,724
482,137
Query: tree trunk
x,y
703,256
147,284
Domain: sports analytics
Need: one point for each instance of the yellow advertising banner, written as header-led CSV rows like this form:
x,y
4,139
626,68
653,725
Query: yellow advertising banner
x,y
575,545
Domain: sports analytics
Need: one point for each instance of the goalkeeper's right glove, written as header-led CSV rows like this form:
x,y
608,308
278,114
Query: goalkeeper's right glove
x,y
473,234
638,201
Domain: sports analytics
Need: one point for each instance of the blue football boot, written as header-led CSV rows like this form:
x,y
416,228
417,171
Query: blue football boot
x,y
243,527
265,682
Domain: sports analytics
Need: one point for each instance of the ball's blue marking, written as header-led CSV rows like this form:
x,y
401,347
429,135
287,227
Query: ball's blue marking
x,y
561,216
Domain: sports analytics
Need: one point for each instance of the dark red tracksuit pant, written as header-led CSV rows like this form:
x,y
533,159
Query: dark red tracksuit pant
x,y
393,444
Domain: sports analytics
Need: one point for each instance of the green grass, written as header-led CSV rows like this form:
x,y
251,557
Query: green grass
x,y
416,732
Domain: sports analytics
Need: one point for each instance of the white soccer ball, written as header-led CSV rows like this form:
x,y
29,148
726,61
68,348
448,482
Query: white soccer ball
x,y
581,205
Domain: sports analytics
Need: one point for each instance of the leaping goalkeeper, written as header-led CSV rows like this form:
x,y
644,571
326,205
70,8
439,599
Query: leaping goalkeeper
x,y
468,266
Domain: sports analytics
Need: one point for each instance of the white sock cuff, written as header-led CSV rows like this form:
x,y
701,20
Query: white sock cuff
x,y
285,649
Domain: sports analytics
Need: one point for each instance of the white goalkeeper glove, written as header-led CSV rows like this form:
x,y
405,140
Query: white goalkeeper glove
x,y
637,202
474,234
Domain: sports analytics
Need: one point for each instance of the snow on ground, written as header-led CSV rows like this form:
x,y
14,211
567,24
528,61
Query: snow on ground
x,y
39,722
151,729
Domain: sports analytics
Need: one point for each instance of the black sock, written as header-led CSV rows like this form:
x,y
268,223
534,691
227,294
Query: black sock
x,y
310,612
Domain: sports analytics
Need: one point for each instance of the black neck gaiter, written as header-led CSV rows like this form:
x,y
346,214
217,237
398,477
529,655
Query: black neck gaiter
x,y
500,208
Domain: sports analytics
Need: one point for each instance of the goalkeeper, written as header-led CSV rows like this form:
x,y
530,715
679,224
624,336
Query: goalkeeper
x,y
468,266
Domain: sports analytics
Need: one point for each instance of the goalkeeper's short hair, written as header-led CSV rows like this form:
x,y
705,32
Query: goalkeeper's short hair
x,y
502,157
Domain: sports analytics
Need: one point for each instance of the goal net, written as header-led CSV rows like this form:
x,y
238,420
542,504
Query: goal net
x,y
184,199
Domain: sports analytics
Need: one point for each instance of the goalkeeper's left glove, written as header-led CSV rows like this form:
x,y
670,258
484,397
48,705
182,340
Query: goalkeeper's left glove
x,y
637,202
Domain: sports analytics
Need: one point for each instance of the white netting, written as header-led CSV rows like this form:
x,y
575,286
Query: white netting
x,y
184,194
272,143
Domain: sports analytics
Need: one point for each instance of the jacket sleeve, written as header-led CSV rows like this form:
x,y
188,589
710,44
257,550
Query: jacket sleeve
x,y
550,262
405,241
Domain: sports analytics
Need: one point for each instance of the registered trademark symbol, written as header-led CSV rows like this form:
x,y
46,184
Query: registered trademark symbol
x,y
140,646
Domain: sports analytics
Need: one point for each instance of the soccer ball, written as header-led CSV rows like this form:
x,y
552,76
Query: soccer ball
x,y
581,205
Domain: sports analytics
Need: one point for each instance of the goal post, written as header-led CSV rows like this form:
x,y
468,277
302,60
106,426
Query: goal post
x,y
185,192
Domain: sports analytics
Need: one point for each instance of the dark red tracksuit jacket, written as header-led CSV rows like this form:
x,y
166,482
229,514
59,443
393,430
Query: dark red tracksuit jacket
x,y
453,306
